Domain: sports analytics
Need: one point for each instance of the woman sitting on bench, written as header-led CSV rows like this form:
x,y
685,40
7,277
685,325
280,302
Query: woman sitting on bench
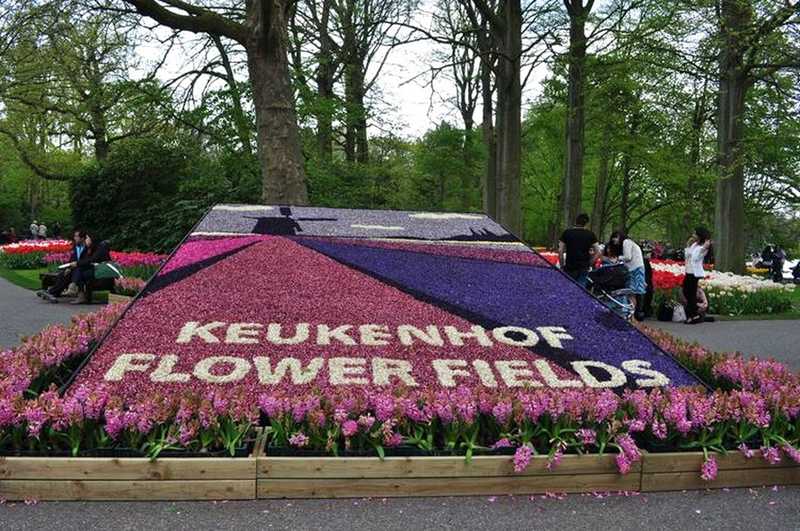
x,y
79,273
96,253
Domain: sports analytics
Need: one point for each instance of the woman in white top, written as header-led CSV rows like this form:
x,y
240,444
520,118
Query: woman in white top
x,y
630,254
696,250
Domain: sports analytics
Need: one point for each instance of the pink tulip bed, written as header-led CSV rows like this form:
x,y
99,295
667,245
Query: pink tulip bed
x,y
134,264
346,332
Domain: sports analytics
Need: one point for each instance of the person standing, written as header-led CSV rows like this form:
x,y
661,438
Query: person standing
x,y
34,228
630,254
696,250
42,231
778,259
576,249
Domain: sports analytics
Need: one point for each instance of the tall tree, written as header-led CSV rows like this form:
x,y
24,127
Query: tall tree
x,y
262,30
572,187
754,45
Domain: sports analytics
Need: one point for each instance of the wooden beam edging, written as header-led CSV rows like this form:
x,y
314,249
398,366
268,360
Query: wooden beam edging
x,y
259,476
98,478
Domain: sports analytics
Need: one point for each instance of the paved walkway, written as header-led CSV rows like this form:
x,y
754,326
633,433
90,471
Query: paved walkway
x,y
744,509
23,314
770,339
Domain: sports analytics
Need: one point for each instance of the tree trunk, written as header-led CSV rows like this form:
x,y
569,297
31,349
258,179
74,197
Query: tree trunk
x,y
624,205
278,137
466,175
509,109
325,81
601,186
572,183
489,184
100,133
735,17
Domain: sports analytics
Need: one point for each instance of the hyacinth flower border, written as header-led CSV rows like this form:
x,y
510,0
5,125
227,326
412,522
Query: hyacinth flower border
x,y
589,422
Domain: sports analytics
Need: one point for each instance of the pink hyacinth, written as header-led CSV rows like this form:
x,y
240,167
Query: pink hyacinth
x,y
623,463
587,436
659,429
522,458
502,443
349,428
747,452
771,454
792,452
502,412
709,469
299,440
628,446
554,461
366,421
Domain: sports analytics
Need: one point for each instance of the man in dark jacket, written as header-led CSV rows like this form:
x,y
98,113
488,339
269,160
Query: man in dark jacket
x,y
64,280
96,253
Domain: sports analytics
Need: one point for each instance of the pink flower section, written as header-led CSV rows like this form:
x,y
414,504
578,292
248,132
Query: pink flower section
x,y
279,281
198,250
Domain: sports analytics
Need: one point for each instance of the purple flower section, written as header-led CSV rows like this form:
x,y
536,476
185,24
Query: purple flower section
x,y
513,295
516,255
339,222
201,249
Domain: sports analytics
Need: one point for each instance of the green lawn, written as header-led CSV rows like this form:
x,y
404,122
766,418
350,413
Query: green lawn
x,y
24,278
29,279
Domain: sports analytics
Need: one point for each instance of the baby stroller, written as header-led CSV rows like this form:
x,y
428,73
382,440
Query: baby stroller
x,y
608,283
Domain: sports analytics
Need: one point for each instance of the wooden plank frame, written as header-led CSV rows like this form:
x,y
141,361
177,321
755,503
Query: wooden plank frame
x,y
261,476
331,477
681,470
91,478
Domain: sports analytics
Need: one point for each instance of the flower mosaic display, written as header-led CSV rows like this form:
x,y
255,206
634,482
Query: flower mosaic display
x,y
299,299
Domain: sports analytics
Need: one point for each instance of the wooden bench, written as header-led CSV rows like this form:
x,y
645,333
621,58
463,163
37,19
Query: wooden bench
x,y
98,284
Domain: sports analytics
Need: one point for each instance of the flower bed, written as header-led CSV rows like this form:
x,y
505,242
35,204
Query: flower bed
x,y
450,342
29,254
728,294
134,264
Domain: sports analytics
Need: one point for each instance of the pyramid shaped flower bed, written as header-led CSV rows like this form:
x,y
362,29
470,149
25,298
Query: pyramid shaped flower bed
x,y
353,332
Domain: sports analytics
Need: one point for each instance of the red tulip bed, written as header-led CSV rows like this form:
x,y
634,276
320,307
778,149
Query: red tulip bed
x,y
348,333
